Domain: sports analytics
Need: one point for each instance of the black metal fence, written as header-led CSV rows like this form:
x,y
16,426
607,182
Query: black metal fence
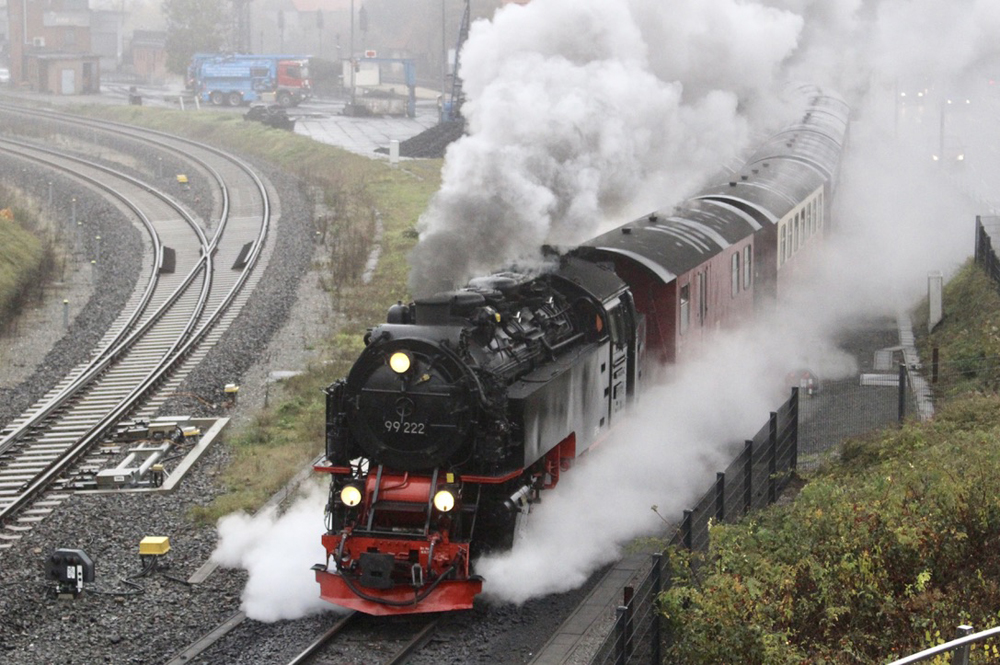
x,y
753,480
987,228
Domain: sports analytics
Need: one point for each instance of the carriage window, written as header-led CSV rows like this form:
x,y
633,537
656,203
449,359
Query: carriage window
x,y
796,245
746,267
685,307
736,274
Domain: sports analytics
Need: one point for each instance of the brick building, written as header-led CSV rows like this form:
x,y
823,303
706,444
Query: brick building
x,y
50,46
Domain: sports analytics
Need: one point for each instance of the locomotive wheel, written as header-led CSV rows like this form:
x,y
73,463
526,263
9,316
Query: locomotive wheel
x,y
217,98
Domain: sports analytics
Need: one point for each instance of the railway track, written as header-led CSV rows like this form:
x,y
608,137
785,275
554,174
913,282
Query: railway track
x,y
351,636
397,640
193,285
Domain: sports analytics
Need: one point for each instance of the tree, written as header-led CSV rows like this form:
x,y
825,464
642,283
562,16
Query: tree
x,y
193,26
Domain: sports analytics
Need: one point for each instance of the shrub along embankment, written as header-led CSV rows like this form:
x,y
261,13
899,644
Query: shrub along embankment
x,y
884,551
25,258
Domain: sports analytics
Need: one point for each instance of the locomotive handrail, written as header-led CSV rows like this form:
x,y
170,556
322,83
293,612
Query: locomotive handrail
x,y
430,501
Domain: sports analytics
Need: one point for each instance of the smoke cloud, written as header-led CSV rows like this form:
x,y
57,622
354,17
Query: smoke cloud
x,y
584,113
277,553
581,113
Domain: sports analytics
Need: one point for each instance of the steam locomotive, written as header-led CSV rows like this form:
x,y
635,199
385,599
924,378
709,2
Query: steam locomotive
x,y
464,407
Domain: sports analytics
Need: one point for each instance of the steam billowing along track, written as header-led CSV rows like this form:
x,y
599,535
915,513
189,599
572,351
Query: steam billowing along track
x,y
193,284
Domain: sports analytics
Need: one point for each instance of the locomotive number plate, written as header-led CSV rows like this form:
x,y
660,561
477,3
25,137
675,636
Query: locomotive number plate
x,y
404,427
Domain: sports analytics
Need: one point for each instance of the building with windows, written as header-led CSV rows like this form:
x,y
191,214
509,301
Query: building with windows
x,y
50,46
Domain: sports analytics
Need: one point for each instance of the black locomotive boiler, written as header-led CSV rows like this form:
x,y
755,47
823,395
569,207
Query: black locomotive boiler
x,y
465,406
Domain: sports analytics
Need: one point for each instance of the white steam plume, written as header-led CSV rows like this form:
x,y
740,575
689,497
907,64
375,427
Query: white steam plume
x,y
892,231
578,116
277,553
665,454
897,219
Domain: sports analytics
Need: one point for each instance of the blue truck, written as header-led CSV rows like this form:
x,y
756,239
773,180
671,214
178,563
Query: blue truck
x,y
234,80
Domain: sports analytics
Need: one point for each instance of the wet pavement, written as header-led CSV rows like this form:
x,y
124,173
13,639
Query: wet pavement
x,y
321,118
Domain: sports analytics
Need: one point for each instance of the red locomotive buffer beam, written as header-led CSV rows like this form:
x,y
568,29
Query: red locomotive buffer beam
x,y
397,556
386,580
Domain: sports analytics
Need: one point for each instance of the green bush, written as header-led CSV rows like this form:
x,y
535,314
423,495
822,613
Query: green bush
x,y
876,558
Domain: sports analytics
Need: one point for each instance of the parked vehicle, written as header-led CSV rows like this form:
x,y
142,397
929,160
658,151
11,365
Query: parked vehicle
x,y
234,80
272,116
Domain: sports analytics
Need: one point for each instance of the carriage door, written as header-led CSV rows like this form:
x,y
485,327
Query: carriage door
x,y
621,335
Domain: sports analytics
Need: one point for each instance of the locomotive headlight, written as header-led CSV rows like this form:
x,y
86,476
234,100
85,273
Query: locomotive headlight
x,y
399,362
350,495
444,500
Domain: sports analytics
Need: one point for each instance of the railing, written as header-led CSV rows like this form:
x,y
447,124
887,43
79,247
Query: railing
x,y
752,481
959,647
987,228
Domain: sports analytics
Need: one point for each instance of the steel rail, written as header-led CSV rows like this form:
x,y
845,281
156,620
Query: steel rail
x,y
416,642
51,471
54,469
316,645
409,647
142,134
128,334
195,649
